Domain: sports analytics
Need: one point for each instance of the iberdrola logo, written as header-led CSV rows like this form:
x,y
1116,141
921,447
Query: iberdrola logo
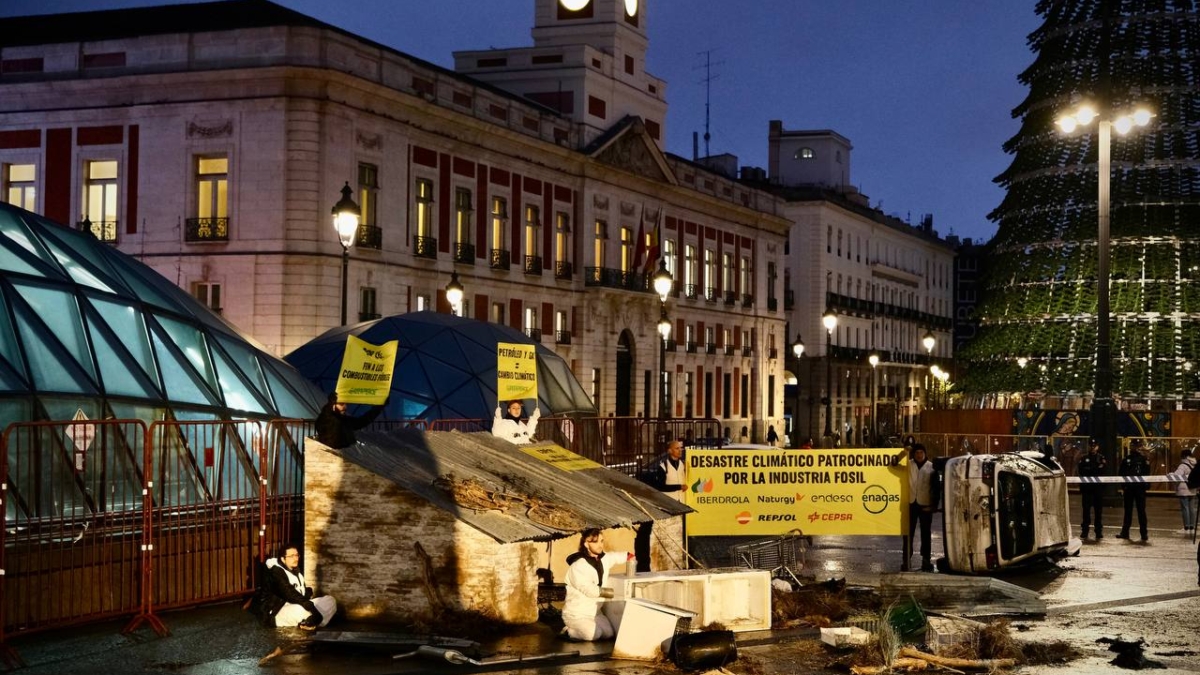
x,y
702,485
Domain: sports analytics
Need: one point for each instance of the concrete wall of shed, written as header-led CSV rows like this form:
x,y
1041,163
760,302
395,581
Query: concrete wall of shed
x,y
360,537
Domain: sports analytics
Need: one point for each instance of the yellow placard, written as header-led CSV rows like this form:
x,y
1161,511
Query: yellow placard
x,y
560,457
516,371
366,374
771,492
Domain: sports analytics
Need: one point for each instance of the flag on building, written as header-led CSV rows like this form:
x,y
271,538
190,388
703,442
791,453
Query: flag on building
x,y
654,245
639,245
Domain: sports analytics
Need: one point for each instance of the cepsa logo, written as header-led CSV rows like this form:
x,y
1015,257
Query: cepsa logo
x,y
875,499
702,486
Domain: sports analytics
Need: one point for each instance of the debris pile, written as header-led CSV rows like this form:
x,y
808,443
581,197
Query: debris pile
x,y
472,494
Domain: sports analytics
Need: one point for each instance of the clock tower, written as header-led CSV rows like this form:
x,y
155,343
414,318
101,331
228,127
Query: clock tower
x,y
587,62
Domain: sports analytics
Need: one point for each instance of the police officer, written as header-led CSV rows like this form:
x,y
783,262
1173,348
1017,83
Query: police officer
x,y
1134,465
1092,466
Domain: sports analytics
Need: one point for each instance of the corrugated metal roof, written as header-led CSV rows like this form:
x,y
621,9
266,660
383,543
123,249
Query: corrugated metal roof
x,y
425,462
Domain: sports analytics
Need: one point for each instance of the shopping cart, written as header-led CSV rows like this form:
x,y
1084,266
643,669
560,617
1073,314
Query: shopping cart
x,y
783,556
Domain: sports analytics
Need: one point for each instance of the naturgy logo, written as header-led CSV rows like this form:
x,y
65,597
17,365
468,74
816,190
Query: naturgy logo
x,y
875,499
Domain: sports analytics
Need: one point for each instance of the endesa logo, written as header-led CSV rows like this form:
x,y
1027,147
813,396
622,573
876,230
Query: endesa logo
x,y
875,499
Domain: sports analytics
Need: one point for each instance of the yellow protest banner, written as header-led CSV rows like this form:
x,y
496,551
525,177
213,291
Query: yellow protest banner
x,y
771,492
516,371
366,374
560,457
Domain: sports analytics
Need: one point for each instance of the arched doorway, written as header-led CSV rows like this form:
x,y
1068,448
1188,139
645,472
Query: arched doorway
x,y
624,393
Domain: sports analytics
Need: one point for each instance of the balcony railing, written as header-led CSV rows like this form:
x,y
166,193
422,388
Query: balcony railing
x,y
614,278
205,229
730,298
562,337
747,300
710,348
534,334
425,247
728,350
772,304
369,236
563,269
533,264
691,291
710,294
772,353
747,351
672,345
464,253
499,259
691,347
104,230
367,316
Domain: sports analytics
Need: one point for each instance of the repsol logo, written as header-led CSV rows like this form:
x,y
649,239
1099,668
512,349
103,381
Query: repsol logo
x,y
776,517
875,499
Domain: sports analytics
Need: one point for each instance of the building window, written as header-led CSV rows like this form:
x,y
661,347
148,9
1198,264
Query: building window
x,y
422,302
771,282
497,315
687,394
745,395
367,310
689,267
463,209
531,325
710,269
368,194
745,272
424,199
726,271
533,225
670,259
803,153
627,245
20,185
770,396
100,198
600,237
596,388
562,237
209,294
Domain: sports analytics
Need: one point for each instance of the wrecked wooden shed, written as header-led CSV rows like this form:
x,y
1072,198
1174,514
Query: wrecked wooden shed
x,y
408,523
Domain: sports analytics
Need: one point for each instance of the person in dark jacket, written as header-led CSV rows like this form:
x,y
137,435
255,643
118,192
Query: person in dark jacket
x,y
336,428
1092,465
1133,466
285,601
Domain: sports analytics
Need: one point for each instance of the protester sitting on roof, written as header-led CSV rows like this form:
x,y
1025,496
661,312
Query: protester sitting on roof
x,y
336,428
511,428
587,572
284,601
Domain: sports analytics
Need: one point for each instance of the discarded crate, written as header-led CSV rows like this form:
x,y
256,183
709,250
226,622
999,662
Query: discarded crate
x,y
907,618
945,634
783,556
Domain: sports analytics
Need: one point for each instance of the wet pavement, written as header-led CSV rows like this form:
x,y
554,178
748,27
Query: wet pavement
x,y
1115,588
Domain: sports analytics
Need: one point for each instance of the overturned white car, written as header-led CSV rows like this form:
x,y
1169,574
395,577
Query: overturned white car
x,y
1004,510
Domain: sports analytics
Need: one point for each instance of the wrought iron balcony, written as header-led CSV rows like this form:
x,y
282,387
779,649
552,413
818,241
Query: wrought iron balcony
x,y
204,229
672,345
104,230
562,337
464,253
772,304
747,351
563,269
728,350
369,236
747,300
730,297
772,353
425,247
691,291
499,259
710,294
710,348
534,334
691,347
533,264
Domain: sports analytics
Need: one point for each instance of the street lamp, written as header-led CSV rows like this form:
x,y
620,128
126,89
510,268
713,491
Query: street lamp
x,y
454,294
664,331
929,341
873,359
798,352
662,281
345,220
1104,423
830,322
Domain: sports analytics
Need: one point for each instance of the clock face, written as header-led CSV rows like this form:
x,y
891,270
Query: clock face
x,y
576,5
631,7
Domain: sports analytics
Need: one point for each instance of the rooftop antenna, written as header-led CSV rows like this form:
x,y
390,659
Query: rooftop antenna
x,y
708,78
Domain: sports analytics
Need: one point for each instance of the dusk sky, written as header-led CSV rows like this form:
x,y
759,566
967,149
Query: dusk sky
x,y
923,90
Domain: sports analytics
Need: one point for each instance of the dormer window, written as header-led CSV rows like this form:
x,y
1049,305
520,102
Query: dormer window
x,y
803,153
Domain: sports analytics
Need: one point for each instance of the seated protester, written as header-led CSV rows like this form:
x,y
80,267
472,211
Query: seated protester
x,y
285,601
587,572
336,428
510,427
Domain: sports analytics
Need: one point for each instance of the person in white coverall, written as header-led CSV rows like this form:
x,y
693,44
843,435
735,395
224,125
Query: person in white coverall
x,y
587,574
510,427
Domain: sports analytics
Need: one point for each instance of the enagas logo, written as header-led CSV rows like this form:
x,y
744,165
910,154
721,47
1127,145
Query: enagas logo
x,y
701,485
875,499
744,517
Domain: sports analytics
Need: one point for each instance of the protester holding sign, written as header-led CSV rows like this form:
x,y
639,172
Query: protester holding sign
x,y
335,427
511,428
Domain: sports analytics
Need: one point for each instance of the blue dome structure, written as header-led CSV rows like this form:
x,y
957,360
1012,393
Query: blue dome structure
x,y
85,327
445,366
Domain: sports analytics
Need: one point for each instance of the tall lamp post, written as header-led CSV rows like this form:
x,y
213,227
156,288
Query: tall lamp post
x,y
873,359
662,282
345,220
929,342
454,294
830,322
1104,423
798,352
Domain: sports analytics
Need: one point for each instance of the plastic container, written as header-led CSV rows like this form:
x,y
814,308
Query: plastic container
x,y
907,618
845,636
702,651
